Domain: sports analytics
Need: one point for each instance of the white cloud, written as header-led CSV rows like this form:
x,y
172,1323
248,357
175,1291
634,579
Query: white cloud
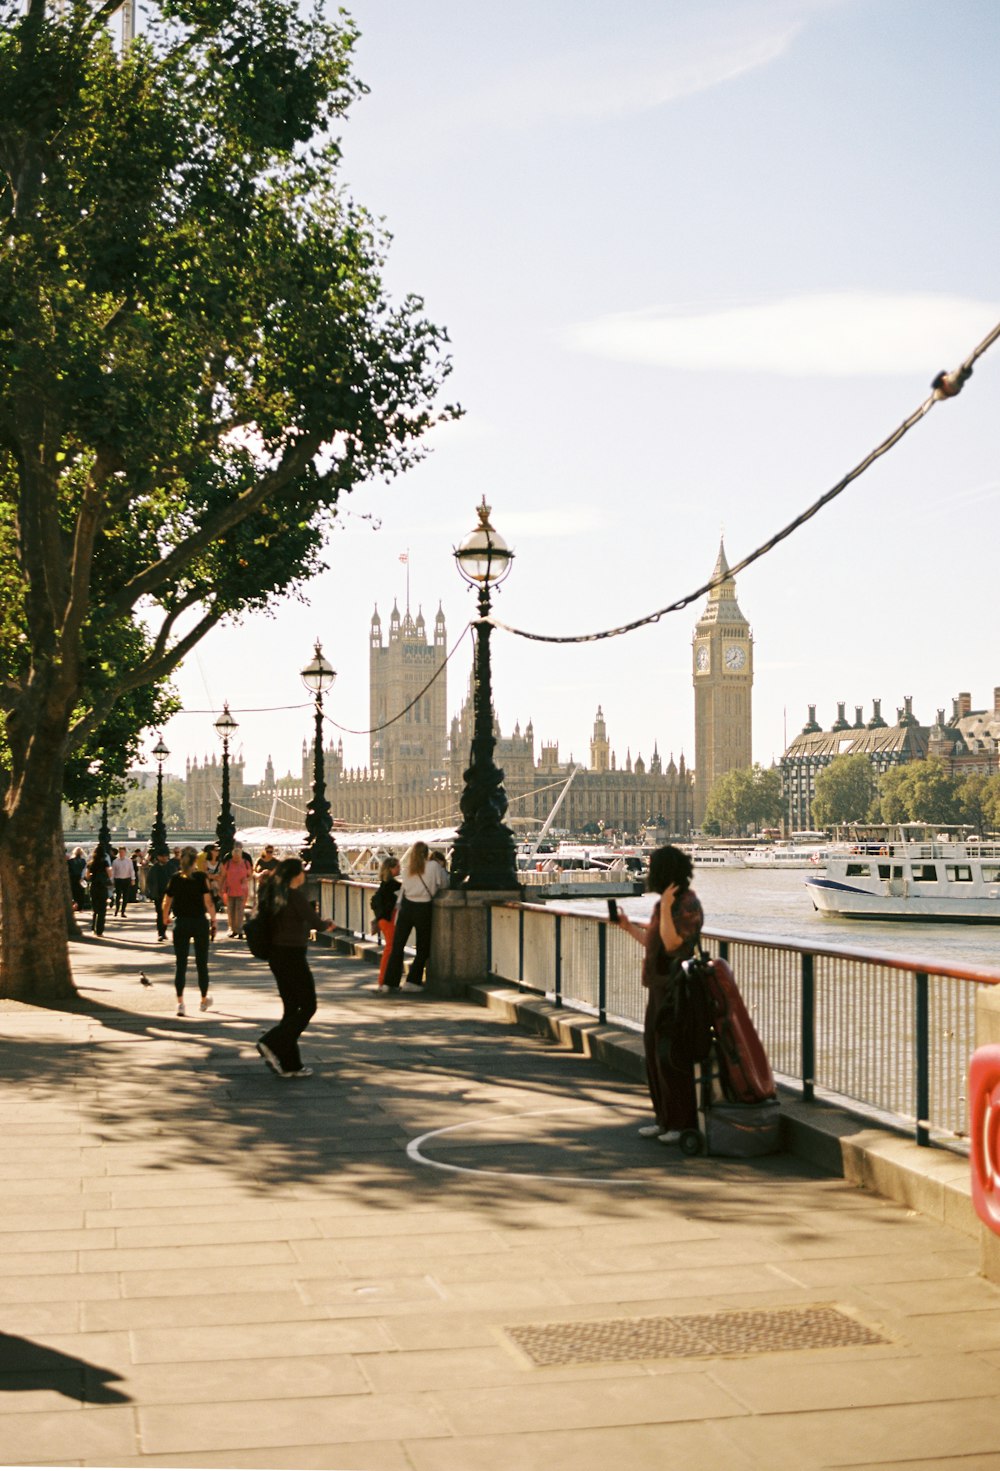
x,y
831,334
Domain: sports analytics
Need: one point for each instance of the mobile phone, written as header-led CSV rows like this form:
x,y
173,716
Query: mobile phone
x,y
613,910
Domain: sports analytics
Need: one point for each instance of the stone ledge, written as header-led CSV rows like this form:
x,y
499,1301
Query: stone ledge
x,y
934,1182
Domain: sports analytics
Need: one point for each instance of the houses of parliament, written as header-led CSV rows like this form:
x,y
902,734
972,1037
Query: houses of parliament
x,y
415,773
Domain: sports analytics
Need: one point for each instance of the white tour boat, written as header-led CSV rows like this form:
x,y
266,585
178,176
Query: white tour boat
x,y
706,856
798,850
911,872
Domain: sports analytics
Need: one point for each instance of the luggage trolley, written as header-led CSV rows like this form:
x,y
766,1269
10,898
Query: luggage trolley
x,y
738,1111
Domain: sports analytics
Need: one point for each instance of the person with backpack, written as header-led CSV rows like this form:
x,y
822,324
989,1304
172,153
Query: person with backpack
x,y
384,911
289,917
671,937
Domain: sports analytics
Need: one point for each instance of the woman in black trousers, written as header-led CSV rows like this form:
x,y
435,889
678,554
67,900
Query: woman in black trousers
x,y
289,917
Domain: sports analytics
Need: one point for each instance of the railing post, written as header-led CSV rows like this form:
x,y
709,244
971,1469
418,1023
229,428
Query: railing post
x,y
724,950
922,1060
520,949
558,964
808,1040
489,941
602,972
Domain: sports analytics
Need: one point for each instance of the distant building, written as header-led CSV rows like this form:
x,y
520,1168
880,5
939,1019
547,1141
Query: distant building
x,y
417,762
968,742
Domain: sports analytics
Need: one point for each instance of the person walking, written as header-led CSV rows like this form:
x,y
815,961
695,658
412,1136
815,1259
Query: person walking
x,y
158,876
124,879
101,882
384,911
420,881
77,866
213,872
671,937
235,887
289,917
136,891
189,900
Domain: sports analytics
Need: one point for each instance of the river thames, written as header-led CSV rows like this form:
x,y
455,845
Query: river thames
x,y
759,902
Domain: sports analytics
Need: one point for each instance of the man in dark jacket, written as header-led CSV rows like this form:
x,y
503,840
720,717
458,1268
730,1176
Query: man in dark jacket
x,y
161,871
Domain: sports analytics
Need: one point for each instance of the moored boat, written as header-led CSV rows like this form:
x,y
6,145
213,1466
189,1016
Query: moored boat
x,y
799,850
911,872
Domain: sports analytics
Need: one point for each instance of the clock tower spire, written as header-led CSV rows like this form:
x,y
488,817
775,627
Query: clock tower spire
x,y
722,672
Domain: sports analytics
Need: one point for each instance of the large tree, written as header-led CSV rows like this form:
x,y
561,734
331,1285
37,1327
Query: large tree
x,y
197,358
844,791
746,797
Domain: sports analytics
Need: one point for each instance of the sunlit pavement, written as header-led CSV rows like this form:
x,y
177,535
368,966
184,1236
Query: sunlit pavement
x,y
205,1264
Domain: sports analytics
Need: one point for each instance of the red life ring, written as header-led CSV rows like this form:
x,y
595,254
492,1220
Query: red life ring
x,y
984,1134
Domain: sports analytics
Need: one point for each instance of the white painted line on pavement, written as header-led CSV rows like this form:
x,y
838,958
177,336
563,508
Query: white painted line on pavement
x,y
414,1150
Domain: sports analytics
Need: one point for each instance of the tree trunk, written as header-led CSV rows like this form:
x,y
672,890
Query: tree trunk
x,y
34,950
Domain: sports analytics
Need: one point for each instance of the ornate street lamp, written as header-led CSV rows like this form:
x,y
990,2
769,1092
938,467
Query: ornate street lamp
x,y
158,837
225,829
320,853
483,855
104,831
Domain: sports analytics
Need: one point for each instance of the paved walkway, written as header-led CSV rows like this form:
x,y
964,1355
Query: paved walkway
x,y
206,1265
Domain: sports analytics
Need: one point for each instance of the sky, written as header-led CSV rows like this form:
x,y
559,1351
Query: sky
x,y
695,261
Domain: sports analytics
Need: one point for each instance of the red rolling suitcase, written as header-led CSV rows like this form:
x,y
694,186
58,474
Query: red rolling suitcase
x,y
743,1066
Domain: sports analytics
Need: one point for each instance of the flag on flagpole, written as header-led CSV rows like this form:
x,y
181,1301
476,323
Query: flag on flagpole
x,y
404,556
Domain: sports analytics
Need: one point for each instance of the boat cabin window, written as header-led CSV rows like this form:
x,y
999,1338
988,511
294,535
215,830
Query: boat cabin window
x,y
890,870
925,873
991,874
958,873
859,871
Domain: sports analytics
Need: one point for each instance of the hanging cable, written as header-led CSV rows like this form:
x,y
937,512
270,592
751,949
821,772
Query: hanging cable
x,y
945,385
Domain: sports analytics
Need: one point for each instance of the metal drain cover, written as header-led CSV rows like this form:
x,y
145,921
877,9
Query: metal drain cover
x,y
774,1330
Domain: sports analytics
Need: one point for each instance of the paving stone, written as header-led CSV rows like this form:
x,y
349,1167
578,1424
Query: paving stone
x,y
203,1343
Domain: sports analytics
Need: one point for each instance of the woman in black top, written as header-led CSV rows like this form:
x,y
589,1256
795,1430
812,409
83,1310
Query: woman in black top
x,y
189,899
290,917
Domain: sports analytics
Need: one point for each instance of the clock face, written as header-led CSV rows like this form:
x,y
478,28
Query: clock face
x,y
735,656
701,657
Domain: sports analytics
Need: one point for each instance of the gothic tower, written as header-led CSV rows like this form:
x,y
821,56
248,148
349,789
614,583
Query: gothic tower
x,y
410,752
722,671
600,751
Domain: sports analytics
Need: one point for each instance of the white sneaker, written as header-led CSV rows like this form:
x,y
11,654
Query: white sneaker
x,y
649,1131
672,1136
180,1009
206,1002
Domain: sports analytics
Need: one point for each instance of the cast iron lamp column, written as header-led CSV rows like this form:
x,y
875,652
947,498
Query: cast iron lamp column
x,y
484,853
225,829
320,853
158,837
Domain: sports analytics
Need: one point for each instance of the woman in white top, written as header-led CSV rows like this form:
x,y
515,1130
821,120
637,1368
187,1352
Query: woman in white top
x,y
419,881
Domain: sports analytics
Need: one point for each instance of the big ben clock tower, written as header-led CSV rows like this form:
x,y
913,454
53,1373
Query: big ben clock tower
x,y
722,671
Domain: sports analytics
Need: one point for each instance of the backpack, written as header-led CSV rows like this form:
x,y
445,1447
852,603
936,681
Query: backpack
x,y
257,932
684,1023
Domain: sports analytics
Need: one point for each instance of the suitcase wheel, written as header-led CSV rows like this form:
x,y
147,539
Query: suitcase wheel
x,y
691,1142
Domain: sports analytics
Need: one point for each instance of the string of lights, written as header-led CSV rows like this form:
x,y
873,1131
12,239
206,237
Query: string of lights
x,y
945,385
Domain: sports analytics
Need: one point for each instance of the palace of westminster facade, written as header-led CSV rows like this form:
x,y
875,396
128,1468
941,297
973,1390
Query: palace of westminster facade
x,y
416,765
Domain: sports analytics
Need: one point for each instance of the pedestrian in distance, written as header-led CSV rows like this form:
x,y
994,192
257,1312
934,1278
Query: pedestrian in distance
x,y
189,900
235,887
158,876
671,937
124,879
136,891
77,867
420,880
290,918
101,884
384,911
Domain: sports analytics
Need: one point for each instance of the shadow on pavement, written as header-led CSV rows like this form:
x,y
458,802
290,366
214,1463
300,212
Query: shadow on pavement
x,y
25,1365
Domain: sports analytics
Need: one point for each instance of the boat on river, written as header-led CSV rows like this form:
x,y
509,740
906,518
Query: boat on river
x,y
911,871
798,850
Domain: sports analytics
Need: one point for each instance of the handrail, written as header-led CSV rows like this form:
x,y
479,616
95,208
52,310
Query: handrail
x,y
984,975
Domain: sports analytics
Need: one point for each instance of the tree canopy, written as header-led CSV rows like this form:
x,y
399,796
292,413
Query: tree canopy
x,y
844,791
197,356
745,798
